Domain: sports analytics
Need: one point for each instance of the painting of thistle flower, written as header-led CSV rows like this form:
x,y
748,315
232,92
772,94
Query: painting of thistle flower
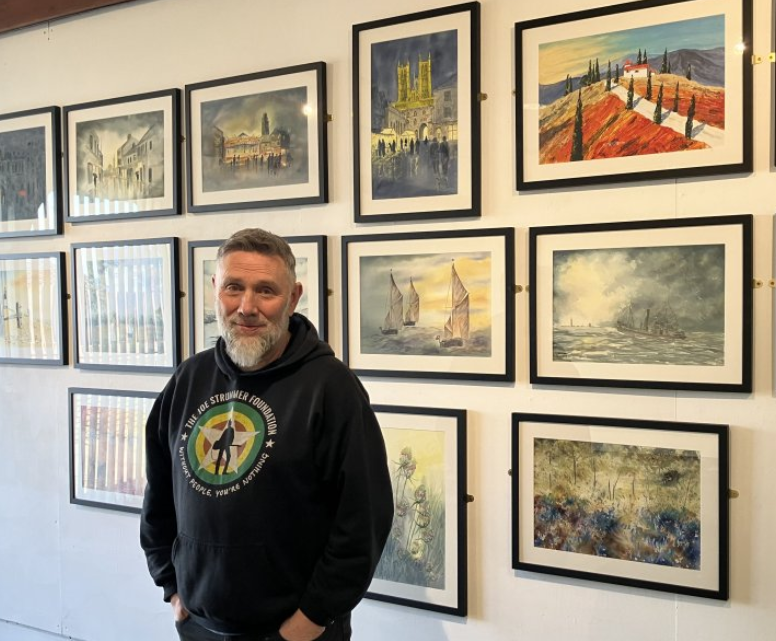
x,y
638,503
423,561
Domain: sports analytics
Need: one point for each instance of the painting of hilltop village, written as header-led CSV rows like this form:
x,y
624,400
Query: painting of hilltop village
x,y
614,100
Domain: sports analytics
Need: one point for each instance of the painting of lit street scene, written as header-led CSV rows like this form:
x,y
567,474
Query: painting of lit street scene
x,y
414,116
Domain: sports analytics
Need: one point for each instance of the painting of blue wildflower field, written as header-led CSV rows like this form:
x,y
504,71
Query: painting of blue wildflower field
x,y
627,502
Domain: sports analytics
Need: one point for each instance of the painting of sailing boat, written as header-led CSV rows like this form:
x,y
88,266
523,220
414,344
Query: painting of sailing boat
x,y
439,313
423,563
636,93
631,298
430,303
642,501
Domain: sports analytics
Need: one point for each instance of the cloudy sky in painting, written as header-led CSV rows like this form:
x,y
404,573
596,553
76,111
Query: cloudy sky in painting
x,y
594,285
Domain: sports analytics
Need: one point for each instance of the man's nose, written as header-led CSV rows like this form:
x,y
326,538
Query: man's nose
x,y
248,303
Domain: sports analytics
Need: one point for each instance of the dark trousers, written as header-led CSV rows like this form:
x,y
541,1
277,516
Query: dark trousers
x,y
189,630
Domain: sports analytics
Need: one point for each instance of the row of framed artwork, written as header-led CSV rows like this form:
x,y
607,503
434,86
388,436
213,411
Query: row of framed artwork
x,y
631,502
260,139
663,304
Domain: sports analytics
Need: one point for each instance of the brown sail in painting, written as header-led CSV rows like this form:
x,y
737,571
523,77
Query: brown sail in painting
x,y
456,329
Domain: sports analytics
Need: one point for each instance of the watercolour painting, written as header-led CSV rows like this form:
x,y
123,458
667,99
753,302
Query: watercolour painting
x,y
646,306
310,253
433,301
417,115
107,447
122,158
423,563
257,140
635,503
30,175
126,305
642,90
32,323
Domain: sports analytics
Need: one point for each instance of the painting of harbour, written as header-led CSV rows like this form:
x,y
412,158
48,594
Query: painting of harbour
x,y
414,116
640,305
426,304
627,502
653,89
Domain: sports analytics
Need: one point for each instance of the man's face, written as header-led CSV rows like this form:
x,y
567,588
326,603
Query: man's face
x,y
255,297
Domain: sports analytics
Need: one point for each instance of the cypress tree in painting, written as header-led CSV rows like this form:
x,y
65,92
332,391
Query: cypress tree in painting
x,y
657,118
567,88
609,77
629,101
689,72
676,99
664,66
690,115
576,142
649,85
638,60
597,71
617,73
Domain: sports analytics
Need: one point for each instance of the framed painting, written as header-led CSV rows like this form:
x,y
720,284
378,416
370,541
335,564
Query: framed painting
x,y
663,304
423,564
648,90
416,108
107,447
126,305
30,176
310,253
258,140
122,157
33,321
430,305
637,503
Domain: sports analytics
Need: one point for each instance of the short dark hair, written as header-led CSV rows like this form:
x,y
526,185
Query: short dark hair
x,y
259,241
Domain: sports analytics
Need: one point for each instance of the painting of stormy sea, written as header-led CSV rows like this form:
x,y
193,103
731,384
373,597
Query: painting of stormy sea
x,y
640,305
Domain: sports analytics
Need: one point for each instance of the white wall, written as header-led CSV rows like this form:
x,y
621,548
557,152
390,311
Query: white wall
x,y
79,572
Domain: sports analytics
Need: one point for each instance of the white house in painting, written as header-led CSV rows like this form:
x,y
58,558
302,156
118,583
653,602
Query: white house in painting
x,y
635,71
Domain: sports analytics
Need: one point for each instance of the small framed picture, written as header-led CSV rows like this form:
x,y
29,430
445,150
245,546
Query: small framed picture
x,y
416,84
33,324
126,305
638,503
430,305
122,157
257,140
310,253
107,447
663,304
647,90
30,174
424,562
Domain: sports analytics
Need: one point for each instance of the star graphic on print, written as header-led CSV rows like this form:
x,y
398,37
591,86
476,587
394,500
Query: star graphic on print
x,y
212,435
270,443
184,436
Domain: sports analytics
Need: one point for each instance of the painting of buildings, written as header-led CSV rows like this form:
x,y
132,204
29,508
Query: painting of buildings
x,y
22,174
414,116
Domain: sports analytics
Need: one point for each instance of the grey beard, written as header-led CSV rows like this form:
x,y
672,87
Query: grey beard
x,y
247,353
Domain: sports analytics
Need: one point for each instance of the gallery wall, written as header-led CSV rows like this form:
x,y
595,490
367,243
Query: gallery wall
x,y
73,571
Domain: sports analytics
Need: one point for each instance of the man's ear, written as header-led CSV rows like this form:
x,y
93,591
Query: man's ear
x,y
296,296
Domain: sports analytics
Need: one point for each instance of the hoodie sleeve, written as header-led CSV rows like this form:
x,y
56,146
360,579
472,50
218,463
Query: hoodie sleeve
x,y
158,524
351,454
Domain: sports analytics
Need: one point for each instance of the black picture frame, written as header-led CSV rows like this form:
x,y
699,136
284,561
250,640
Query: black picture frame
x,y
554,149
253,175
469,274
122,157
660,304
434,509
125,311
107,447
311,256
33,317
401,176
31,174
570,530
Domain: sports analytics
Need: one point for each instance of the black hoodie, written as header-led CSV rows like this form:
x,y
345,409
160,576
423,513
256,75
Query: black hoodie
x,y
267,491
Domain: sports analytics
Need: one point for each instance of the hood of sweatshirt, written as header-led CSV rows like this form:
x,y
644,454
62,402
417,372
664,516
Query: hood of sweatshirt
x,y
303,347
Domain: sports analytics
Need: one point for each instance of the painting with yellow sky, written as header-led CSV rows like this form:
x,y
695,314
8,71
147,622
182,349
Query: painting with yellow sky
x,y
426,304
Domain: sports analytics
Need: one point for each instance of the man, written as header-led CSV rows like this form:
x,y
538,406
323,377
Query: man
x,y
278,537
